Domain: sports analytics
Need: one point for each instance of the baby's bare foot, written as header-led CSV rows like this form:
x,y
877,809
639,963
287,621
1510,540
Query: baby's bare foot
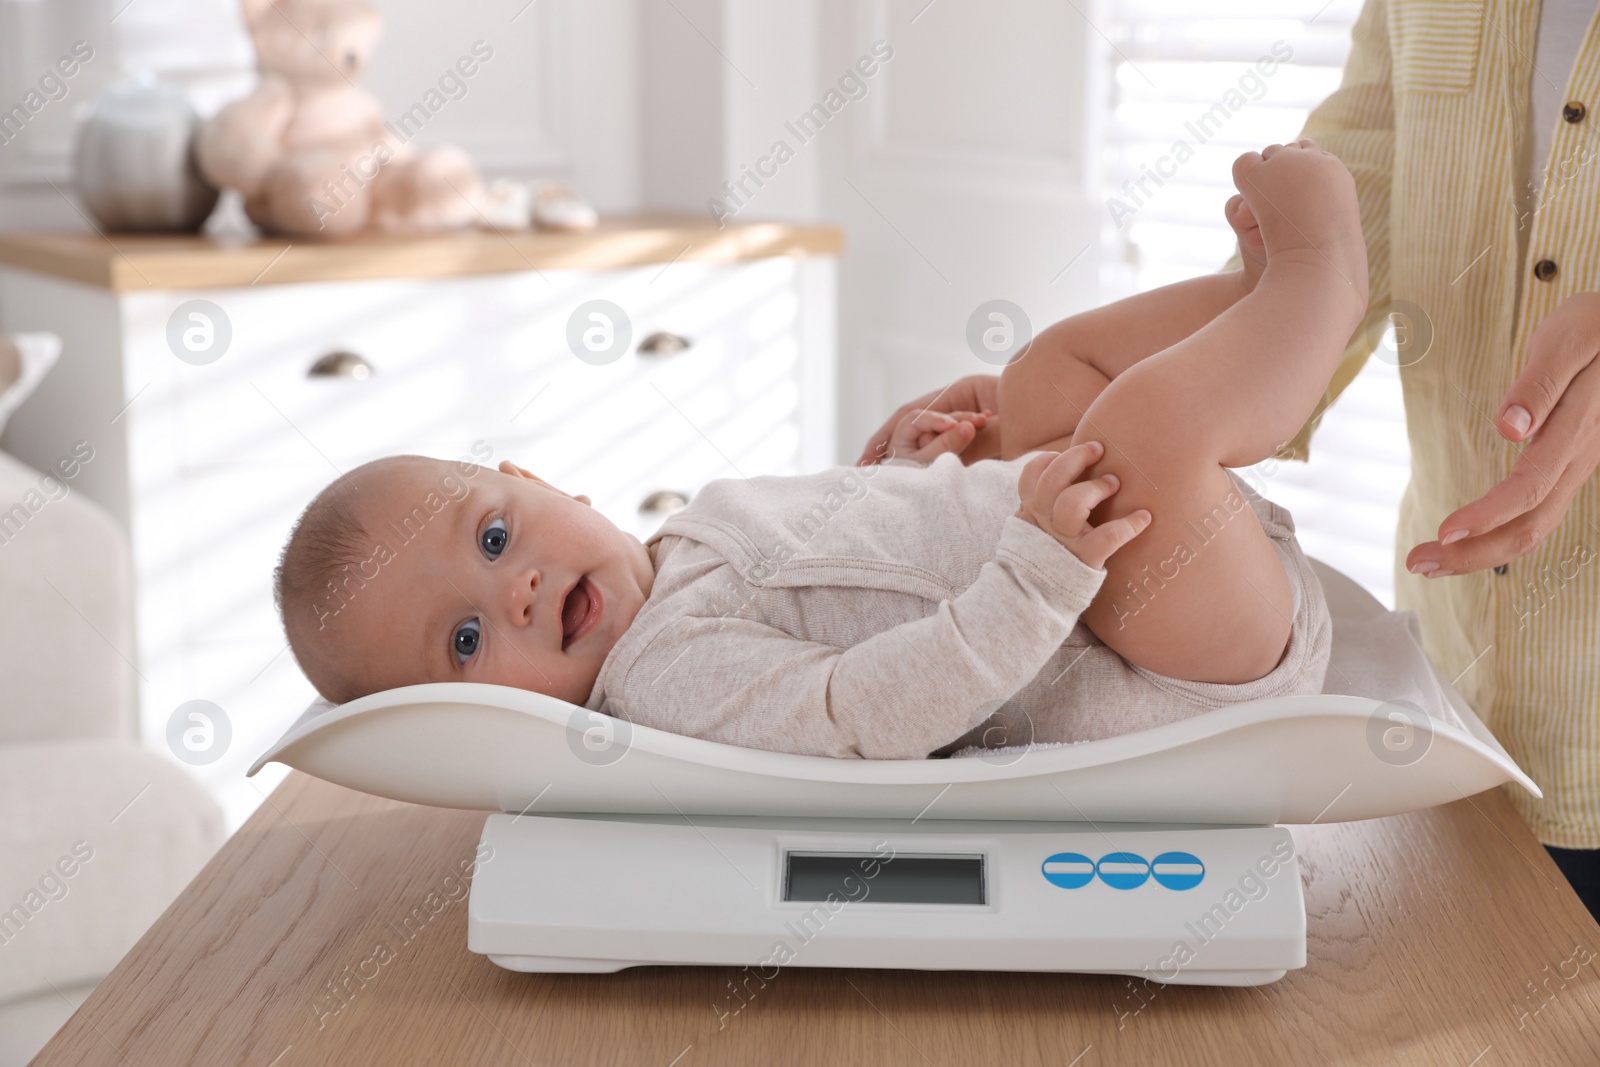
x,y
1251,251
1304,202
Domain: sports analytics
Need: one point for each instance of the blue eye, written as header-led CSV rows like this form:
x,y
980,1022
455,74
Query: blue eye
x,y
466,640
493,539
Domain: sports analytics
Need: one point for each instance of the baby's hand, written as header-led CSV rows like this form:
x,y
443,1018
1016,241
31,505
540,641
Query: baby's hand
x,y
1054,500
926,434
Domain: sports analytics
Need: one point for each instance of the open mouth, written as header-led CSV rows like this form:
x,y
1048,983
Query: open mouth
x,y
579,611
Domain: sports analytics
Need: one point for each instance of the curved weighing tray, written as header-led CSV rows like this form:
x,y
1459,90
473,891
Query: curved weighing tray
x,y
1290,759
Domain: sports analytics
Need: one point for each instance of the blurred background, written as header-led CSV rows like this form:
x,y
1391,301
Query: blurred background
x,y
935,155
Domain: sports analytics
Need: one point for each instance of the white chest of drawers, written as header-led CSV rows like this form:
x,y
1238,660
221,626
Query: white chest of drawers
x,y
209,463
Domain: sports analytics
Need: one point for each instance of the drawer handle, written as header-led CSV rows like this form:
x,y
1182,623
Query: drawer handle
x,y
341,365
663,502
662,343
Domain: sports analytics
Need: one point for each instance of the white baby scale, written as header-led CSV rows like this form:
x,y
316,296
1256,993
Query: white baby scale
x,y
1154,854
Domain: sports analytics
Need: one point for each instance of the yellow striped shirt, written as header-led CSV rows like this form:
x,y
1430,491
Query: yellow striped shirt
x,y
1431,118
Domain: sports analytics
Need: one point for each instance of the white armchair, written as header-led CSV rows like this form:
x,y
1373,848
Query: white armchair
x,y
98,834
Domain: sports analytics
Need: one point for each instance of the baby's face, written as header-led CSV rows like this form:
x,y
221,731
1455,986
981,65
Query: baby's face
x,y
516,583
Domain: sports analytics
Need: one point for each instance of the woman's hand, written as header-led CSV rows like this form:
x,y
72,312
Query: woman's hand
x,y
978,393
1554,406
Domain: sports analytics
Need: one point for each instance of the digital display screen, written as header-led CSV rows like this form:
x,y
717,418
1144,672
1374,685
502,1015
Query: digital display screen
x,y
873,879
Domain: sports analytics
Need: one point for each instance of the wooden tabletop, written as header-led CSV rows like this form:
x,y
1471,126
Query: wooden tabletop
x,y
129,262
331,929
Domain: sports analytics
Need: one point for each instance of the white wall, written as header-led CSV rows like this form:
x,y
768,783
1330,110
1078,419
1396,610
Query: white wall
x,y
681,101
960,178
557,99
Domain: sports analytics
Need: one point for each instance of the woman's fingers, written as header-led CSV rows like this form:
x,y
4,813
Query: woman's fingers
x,y
1501,544
1552,406
1530,483
1561,353
1563,453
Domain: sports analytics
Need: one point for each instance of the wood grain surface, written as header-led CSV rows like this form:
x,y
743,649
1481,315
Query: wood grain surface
x,y
131,262
331,929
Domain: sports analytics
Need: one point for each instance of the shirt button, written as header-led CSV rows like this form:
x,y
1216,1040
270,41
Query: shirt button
x,y
1502,568
1545,269
1574,111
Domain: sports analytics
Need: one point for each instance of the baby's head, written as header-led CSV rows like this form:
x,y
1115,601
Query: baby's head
x,y
410,570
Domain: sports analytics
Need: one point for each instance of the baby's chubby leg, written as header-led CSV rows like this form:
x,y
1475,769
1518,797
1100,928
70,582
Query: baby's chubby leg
x,y
1201,594
1046,389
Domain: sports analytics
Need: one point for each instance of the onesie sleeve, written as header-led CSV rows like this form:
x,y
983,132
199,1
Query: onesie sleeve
x,y
898,695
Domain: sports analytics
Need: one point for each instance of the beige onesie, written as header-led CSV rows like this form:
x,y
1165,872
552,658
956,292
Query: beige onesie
x,y
900,611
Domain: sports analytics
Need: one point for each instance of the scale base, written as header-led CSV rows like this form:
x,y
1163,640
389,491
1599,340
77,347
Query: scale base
x,y
571,965
1175,905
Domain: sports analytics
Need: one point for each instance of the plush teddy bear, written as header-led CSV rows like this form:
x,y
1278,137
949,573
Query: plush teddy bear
x,y
309,149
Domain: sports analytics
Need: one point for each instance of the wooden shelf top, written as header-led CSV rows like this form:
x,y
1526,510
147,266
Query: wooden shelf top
x,y
133,262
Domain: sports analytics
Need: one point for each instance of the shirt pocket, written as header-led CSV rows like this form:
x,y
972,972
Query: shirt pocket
x,y
1434,44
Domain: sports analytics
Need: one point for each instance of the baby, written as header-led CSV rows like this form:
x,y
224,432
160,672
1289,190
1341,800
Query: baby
x,y
1105,573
